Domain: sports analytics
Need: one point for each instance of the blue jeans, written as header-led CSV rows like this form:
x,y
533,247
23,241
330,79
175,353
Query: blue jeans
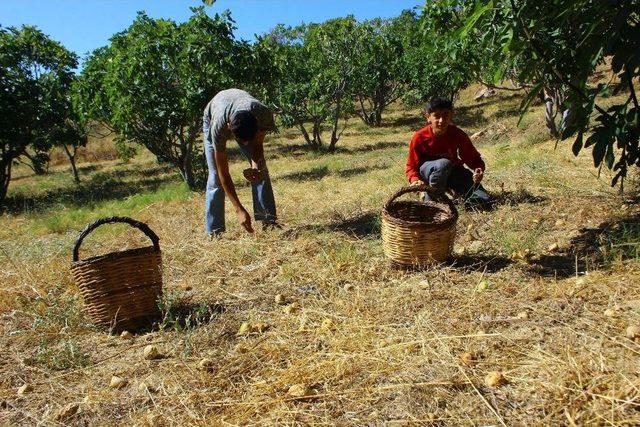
x,y
264,205
443,175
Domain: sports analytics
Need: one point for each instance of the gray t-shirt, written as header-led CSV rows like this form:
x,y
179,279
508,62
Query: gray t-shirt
x,y
224,105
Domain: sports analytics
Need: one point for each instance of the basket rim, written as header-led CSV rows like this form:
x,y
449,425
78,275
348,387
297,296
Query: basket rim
x,y
453,215
115,255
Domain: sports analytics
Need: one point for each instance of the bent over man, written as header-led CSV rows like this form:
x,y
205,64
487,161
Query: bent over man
x,y
235,113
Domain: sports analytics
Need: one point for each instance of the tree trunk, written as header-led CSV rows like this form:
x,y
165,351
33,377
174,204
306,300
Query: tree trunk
x,y
334,131
377,118
317,138
72,160
186,170
551,111
305,134
186,165
5,177
378,105
336,119
36,166
363,111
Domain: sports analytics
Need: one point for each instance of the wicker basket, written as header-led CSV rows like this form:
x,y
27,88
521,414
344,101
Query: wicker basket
x,y
120,289
417,233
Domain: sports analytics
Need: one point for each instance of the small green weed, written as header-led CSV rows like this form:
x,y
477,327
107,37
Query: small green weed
x,y
184,316
621,243
60,355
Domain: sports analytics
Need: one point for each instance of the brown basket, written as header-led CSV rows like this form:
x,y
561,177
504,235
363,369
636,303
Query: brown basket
x,y
120,289
416,233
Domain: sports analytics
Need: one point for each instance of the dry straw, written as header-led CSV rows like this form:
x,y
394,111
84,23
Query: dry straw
x,y
120,289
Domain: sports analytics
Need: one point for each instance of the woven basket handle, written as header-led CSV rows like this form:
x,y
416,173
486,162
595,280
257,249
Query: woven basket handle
x,y
132,222
416,188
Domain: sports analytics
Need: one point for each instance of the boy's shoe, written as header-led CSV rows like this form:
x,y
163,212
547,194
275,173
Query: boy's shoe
x,y
271,225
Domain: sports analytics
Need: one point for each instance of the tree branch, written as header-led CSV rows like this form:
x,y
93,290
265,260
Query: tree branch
x,y
633,96
555,71
512,89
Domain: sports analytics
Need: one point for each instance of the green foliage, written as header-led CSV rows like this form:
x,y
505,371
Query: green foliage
x,y
312,74
152,83
90,99
59,355
183,316
289,85
440,62
35,76
621,243
377,75
555,46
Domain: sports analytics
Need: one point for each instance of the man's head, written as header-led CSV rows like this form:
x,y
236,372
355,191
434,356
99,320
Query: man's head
x,y
244,126
439,113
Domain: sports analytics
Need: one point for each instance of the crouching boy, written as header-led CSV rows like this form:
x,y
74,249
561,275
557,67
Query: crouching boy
x,y
438,154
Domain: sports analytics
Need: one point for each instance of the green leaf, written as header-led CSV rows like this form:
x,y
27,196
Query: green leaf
x,y
609,158
209,2
577,144
599,151
477,14
497,76
528,99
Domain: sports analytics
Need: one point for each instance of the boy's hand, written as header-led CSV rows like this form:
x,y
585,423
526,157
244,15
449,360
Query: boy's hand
x,y
245,220
478,174
416,182
252,175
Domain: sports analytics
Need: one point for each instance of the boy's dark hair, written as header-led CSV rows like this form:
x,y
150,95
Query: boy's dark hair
x,y
244,125
439,103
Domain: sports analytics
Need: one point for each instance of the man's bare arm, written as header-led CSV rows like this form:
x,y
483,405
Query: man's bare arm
x,y
257,151
222,165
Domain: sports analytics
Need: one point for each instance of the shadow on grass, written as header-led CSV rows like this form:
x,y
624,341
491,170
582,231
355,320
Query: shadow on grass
x,y
512,198
476,262
364,225
320,172
312,174
98,188
88,168
294,149
299,150
347,173
469,116
381,145
497,100
592,249
416,121
505,113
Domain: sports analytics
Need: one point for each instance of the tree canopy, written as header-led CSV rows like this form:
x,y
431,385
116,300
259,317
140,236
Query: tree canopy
x,y
151,83
556,46
35,76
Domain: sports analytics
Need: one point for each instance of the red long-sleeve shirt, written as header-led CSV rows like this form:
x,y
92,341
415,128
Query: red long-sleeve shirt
x,y
454,145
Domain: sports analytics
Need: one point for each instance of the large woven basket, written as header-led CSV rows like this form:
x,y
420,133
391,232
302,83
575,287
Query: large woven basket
x,y
120,289
417,233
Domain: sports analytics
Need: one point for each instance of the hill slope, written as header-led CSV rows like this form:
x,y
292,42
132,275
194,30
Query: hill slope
x,y
367,344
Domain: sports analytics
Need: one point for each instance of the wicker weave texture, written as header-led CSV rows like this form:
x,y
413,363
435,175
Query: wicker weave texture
x,y
121,289
416,233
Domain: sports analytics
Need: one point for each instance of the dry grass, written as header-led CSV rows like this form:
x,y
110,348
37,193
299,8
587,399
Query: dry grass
x,y
391,353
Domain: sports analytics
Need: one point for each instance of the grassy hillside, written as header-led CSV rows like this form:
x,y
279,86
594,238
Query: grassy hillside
x,y
364,343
